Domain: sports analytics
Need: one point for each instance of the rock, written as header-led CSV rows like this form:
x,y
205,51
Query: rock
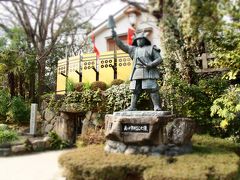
x,y
44,105
48,128
49,115
53,121
94,116
65,127
3,126
159,149
17,149
5,151
28,145
132,128
38,145
88,115
180,131
130,150
171,153
121,147
107,148
5,145
86,124
112,144
155,154
47,142
39,116
144,149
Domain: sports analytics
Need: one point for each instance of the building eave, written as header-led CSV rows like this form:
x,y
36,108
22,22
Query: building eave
x,y
103,25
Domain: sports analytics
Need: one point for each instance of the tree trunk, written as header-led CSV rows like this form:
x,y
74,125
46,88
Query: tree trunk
x,y
32,88
21,88
11,84
41,77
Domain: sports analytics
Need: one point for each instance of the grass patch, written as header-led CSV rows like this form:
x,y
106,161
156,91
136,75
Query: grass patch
x,y
213,158
7,135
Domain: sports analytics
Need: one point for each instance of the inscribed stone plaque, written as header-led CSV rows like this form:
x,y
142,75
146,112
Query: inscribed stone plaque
x,y
33,118
135,128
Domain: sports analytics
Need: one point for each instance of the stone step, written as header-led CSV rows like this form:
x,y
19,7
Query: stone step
x,y
5,151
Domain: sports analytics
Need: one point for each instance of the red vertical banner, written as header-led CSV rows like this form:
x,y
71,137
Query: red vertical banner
x,y
131,32
95,49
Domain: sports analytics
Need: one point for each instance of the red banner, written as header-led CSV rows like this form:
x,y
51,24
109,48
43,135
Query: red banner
x,y
95,49
131,32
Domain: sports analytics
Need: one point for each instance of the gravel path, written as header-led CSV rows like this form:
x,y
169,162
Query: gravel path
x,y
39,166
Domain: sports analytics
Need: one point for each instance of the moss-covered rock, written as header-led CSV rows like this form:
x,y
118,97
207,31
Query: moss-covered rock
x,y
212,158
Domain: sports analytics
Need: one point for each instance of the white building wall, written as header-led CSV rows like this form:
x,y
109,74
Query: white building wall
x,y
145,21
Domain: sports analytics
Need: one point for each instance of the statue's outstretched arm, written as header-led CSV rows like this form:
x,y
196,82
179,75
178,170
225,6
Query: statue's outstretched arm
x,y
119,43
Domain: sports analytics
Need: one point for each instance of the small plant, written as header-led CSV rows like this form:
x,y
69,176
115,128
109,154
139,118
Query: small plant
x,y
56,142
98,85
87,85
7,135
92,136
70,85
19,111
117,82
4,102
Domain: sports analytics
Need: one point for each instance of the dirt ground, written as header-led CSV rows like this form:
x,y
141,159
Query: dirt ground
x,y
37,166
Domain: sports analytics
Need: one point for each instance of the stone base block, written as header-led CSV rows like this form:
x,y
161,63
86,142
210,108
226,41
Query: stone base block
x,y
162,149
138,127
148,132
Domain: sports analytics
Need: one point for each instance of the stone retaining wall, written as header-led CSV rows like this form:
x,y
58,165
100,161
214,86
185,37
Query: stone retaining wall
x,y
29,145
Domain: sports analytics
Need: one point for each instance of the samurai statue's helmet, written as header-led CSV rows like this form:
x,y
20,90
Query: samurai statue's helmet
x,y
139,36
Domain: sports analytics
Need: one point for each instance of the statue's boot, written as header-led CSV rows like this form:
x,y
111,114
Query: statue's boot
x,y
156,101
133,106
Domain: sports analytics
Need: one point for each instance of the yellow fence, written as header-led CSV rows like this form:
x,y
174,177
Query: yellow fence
x,y
81,69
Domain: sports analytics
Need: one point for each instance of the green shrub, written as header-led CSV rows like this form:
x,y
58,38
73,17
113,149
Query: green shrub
x,y
192,100
88,100
7,135
87,85
19,111
4,102
98,85
212,158
79,87
56,102
117,82
118,98
227,107
56,142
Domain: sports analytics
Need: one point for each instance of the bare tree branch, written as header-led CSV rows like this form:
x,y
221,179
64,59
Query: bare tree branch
x,y
45,20
137,5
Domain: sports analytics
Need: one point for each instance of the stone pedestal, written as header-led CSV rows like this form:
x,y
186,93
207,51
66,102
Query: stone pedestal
x,y
147,132
138,127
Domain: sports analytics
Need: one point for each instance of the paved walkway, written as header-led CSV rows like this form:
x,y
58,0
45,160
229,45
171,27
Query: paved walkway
x,y
38,166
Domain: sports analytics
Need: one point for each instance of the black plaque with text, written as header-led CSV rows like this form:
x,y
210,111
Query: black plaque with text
x,y
135,128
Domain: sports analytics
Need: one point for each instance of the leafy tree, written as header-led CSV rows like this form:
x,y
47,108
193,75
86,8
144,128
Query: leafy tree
x,y
226,45
45,21
16,60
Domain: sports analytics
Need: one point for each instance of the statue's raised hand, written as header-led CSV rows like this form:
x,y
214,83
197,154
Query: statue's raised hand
x,y
114,34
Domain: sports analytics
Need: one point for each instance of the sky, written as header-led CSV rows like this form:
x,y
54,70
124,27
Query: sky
x,y
109,9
